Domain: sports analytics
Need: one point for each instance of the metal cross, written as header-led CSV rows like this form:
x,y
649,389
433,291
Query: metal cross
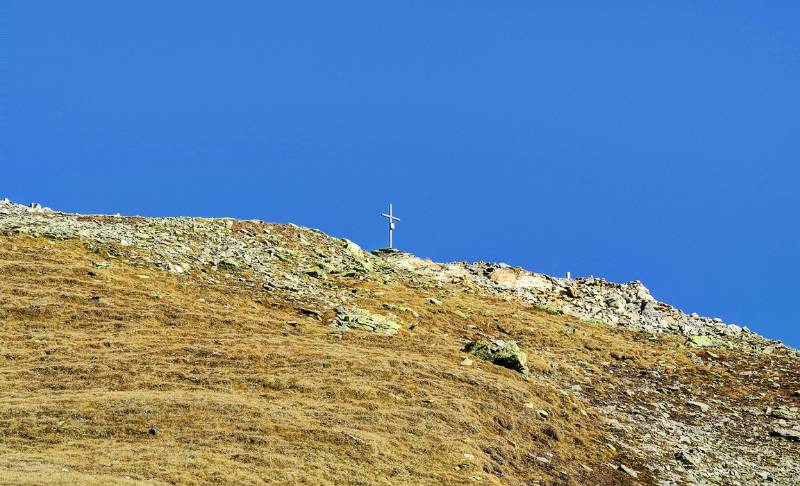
x,y
392,219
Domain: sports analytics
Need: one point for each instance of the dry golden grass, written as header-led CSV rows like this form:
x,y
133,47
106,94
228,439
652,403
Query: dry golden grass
x,y
127,375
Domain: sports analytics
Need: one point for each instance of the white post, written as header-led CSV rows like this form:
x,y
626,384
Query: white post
x,y
391,219
568,276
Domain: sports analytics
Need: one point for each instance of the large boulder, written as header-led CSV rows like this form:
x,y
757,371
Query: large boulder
x,y
502,353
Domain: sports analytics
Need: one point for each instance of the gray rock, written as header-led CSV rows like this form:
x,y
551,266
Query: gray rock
x,y
790,434
690,458
733,330
630,472
699,405
782,413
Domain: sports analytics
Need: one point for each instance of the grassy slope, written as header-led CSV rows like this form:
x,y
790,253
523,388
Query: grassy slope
x,y
244,389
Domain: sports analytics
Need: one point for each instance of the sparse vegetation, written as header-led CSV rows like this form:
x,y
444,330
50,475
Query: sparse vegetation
x,y
240,396
119,368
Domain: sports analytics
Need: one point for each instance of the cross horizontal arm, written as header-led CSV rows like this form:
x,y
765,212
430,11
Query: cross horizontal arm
x,y
390,217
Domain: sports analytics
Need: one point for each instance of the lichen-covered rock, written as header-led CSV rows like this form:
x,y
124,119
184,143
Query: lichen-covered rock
x,y
782,413
789,434
699,341
355,318
502,353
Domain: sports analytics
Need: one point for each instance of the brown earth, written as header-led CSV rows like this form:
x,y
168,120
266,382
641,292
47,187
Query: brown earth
x,y
132,375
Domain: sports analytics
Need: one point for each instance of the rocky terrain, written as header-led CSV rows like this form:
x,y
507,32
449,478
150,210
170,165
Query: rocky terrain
x,y
193,350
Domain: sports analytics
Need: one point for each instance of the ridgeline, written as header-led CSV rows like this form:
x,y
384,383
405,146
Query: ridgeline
x,y
191,350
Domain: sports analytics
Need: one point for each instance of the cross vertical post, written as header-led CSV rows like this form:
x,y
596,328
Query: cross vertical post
x,y
391,219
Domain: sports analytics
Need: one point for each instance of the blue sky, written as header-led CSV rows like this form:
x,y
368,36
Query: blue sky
x,y
638,140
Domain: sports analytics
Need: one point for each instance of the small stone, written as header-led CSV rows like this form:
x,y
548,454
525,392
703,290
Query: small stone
x,y
782,413
153,430
690,458
466,362
174,268
628,471
789,434
435,301
311,312
315,272
543,413
702,406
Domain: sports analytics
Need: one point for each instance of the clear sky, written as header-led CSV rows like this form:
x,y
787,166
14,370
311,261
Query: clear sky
x,y
657,141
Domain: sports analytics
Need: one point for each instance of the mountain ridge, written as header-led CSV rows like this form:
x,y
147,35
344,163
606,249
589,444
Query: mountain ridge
x,y
639,390
632,305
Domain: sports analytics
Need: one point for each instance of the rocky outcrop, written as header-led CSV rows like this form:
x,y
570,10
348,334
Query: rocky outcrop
x,y
502,353
282,258
629,305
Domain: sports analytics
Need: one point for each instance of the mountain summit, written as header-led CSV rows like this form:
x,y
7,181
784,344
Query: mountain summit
x,y
192,350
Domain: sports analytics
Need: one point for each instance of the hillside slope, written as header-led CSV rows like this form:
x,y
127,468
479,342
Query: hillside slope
x,y
190,351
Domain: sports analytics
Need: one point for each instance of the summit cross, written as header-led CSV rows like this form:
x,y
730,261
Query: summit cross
x,y
392,219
